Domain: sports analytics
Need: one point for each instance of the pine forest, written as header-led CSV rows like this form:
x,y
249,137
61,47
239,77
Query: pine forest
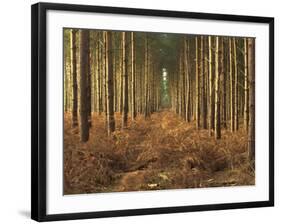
x,y
153,111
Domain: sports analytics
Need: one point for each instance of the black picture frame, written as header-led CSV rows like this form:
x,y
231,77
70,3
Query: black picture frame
x,y
39,121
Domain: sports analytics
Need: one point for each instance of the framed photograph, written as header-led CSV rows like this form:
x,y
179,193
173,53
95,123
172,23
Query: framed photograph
x,y
139,111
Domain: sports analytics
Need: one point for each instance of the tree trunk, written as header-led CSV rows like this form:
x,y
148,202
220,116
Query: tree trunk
x,y
251,73
246,88
84,48
133,93
211,113
187,91
231,87
197,85
125,80
105,77
89,82
236,115
146,112
74,77
223,76
217,90
203,90
110,89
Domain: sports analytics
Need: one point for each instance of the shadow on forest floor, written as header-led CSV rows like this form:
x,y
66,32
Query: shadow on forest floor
x,y
160,152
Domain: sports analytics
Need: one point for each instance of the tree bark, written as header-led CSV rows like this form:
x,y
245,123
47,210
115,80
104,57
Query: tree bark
x,y
251,73
84,48
197,114
203,90
110,89
125,80
246,88
231,87
236,115
211,112
74,77
133,91
217,90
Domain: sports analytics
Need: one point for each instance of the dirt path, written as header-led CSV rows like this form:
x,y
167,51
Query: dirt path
x,y
160,152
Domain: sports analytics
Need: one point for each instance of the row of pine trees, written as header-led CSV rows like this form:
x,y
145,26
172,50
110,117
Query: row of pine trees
x,y
210,79
214,84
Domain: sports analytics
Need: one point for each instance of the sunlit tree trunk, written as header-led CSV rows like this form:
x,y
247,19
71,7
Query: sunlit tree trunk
x,y
246,88
146,113
110,89
217,89
236,115
187,91
133,94
223,76
74,77
251,73
125,79
84,48
89,82
211,114
231,87
104,77
197,115
203,89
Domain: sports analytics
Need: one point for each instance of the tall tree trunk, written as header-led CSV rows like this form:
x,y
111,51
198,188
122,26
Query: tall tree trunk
x,y
125,79
74,77
211,113
110,89
84,48
146,112
217,89
231,88
197,114
251,73
236,115
105,77
187,91
89,82
223,76
133,92
121,73
203,91
246,88
99,74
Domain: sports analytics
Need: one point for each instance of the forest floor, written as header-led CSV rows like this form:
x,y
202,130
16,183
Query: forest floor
x,y
160,152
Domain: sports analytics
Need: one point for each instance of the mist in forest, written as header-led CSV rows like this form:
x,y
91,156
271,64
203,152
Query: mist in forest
x,y
152,111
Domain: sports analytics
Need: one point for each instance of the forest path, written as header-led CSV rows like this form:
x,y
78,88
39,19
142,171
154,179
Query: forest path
x,y
159,152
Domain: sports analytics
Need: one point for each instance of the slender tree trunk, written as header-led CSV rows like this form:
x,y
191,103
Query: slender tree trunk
x,y
125,79
89,82
146,91
74,77
84,48
197,85
211,114
203,91
99,75
251,73
236,115
121,73
246,88
231,88
223,76
133,93
217,89
105,77
110,89
187,91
